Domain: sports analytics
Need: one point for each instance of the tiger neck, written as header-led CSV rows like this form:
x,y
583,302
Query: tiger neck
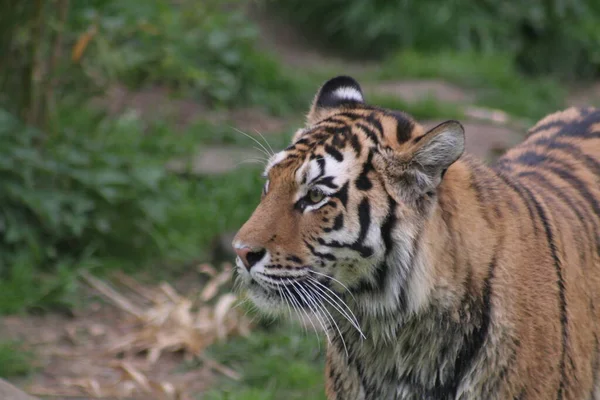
x,y
435,315
451,259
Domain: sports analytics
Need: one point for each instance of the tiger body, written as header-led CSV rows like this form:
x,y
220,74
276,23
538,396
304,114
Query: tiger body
x,y
435,276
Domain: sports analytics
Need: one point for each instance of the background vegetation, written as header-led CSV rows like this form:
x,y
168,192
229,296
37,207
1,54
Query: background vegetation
x,y
559,37
85,186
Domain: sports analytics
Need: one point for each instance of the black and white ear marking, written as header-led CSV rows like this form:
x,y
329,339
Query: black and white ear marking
x,y
338,91
341,91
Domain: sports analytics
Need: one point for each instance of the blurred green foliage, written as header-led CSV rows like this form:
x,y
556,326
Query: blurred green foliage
x,y
204,49
560,37
83,189
15,359
494,78
289,365
102,199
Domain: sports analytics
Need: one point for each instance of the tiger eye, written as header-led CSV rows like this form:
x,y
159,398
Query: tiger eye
x,y
315,196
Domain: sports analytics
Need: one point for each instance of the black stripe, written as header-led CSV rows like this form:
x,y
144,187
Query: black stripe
x,y
350,115
578,127
338,222
364,219
561,290
342,195
571,149
294,258
355,143
404,129
327,181
579,185
333,152
368,131
372,119
523,195
595,369
327,256
574,205
363,182
388,225
474,341
479,194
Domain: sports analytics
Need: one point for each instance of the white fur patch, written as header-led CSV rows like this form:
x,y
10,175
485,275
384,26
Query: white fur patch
x,y
348,93
274,160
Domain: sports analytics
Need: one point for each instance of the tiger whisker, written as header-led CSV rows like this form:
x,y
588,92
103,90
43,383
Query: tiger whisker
x,y
285,300
316,312
240,303
265,139
326,313
298,308
353,320
252,160
314,327
335,280
254,139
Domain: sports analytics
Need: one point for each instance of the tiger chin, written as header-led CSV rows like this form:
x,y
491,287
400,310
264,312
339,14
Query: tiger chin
x,y
434,276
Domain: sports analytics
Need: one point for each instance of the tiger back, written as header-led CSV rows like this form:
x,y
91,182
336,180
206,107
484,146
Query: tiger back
x,y
433,275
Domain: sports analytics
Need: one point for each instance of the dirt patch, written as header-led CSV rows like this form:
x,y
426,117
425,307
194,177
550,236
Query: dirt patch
x,y
72,354
159,103
585,96
416,90
150,346
290,46
217,160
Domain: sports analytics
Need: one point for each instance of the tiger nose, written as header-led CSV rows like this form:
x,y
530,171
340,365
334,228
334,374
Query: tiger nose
x,y
249,256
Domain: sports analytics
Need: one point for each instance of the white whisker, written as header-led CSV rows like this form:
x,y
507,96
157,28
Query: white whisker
x,y
315,311
326,313
265,139
299,308
254,139
251,161
335,280
336,304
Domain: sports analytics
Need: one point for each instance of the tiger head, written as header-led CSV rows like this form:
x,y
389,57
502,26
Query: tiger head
x,y
343,207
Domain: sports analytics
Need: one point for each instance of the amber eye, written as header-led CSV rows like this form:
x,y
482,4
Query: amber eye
x,y
315,196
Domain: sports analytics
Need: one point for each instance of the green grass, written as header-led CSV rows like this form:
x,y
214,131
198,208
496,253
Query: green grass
x,y
15,359
281,363
494,79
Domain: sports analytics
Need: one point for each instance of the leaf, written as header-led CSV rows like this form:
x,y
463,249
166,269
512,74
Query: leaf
x,y
82,43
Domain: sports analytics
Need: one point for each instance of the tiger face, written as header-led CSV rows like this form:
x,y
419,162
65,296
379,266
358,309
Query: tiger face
x,y
347,198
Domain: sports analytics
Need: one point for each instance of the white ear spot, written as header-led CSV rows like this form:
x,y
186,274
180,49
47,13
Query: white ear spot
x,y
348,93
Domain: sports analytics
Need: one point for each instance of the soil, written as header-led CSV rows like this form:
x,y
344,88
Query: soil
x,y
73,356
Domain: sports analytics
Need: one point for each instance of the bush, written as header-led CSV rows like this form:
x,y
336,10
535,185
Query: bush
x,y
559,37
204,49
77,194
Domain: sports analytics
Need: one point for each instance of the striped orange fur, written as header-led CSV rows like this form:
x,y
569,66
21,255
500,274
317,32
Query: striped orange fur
x,y
434,276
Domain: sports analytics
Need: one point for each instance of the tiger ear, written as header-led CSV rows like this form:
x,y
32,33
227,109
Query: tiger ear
x,y
341,91
420,169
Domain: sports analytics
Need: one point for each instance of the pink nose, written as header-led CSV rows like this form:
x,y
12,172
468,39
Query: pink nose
x,y
250,256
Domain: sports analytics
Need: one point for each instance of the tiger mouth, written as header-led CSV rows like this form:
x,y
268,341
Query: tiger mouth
x,y
286,292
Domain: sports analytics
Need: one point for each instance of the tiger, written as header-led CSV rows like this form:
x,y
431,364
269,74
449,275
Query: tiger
x,y
433,275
